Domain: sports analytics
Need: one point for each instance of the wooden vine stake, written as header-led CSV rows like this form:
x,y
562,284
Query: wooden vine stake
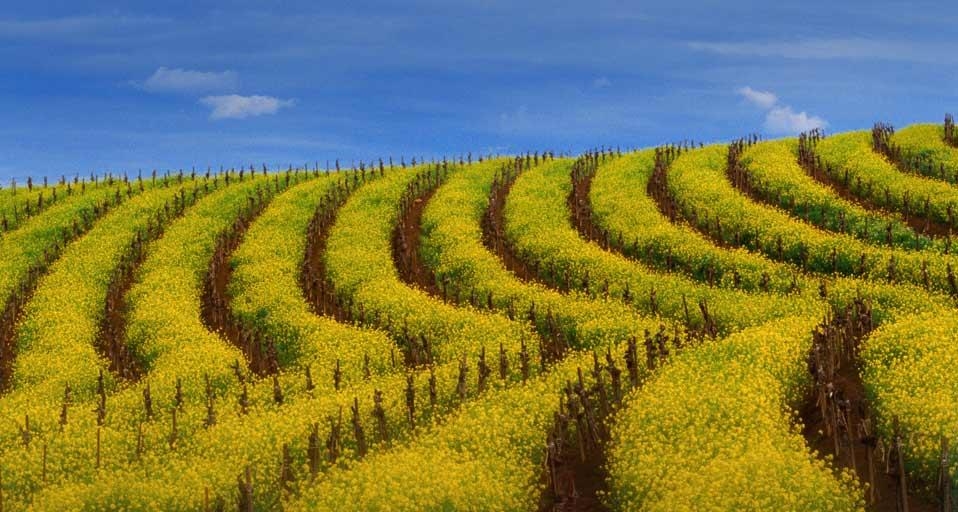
x,y
900,469
98,448
245,484
944,477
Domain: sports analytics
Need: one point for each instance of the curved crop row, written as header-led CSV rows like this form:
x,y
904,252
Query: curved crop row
x,y
338,424
703,195
266,294
44,235
850,159
538,227
908,373
18,204
713,431
452,248
925,147
360,266
621,208
210,457
56,338
212,470
122,423
164,325
485,457
247,430
775,175
319,432
58,364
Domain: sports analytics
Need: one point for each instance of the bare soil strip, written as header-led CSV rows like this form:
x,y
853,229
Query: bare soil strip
x,y
406,244
837,419
494,234
815,168
215,300
316,286
13,308
574,481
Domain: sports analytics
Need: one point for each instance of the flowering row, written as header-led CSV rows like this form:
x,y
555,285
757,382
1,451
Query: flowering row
x,y
924,147
908,367
452,247
849,158
713,431
775,175
122,416
266,293
360,266
538,228
701,192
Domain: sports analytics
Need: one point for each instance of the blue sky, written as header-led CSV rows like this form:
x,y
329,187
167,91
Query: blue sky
x,y
95,87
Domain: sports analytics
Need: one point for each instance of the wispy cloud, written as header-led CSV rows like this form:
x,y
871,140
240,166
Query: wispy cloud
x,y
72,25
601,82
823,49
189,81
234,106
569,119
762,99
780,119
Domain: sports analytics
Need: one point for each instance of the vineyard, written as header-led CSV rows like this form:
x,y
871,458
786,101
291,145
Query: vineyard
x,y
759,325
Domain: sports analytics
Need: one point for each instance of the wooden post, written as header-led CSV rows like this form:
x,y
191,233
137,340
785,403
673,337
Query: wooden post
x,y
944,478
902,484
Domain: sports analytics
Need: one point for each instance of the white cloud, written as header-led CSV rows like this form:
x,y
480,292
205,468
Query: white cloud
x,y
601,82
783,120
780,119
185,80
762,99
234,106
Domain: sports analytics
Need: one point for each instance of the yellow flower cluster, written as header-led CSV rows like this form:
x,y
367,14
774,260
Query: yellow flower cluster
x,y
15,203
621,205
56,338
909,371
713,431
265,292
56,341
488,456
698,183
126,433
851,153
538,227
776,175
165,330
452,248
226,445
927,141
205,457
359,262
210,459
24,248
